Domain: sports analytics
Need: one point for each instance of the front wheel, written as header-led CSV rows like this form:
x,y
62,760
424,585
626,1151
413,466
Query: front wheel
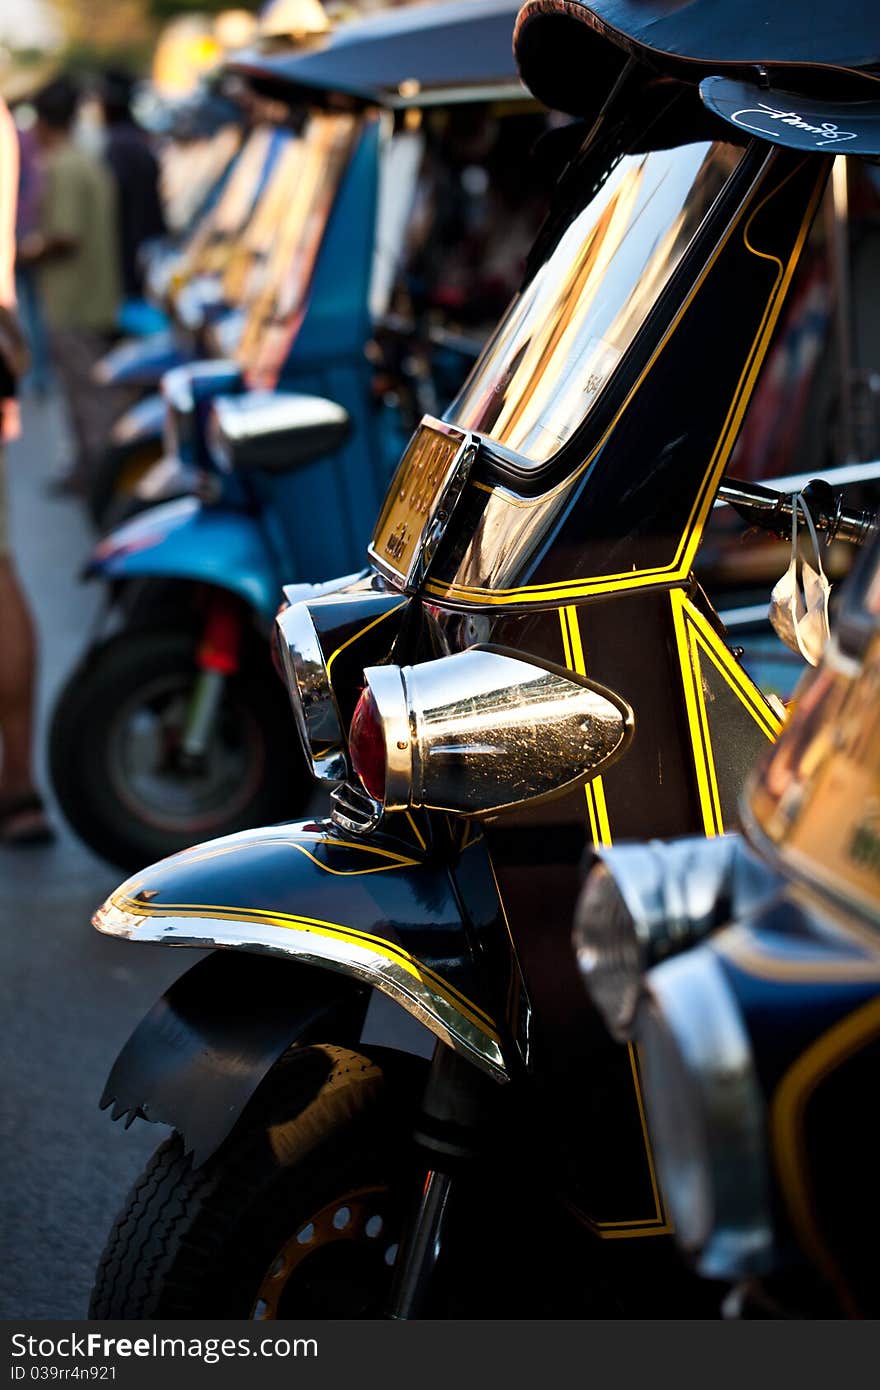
x,y
299,1214
116,756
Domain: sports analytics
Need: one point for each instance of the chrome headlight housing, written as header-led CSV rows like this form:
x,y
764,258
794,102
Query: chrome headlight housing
x,y
480,731
706,1115
644,902
314,626
311,694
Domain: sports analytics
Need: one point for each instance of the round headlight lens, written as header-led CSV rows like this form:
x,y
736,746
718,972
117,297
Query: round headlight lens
x,y
677,1129
608,951
706,1114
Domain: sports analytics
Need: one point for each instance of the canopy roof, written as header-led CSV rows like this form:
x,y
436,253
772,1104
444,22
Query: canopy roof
x,y
570,53
400,57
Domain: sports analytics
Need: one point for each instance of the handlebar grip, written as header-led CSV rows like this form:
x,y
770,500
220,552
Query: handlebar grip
x,y
761,506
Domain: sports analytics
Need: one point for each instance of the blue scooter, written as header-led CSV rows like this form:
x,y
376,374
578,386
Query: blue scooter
x,y
172,726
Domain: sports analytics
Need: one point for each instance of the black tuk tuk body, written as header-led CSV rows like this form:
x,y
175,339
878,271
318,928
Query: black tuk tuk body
x,y
753,996
578,558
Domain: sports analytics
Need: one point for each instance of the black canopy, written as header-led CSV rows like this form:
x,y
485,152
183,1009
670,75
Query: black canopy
x,y
399,56
570,52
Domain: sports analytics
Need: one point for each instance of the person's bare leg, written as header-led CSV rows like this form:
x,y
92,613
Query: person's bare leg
x,y
17,687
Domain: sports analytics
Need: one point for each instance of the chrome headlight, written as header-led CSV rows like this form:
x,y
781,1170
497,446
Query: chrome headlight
x,y
316,623
644,902
308,681
481,730
706,1115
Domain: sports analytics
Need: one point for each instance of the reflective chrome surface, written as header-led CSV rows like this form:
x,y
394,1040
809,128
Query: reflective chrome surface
x,y
273,429
353,810
562,337
645,902
137,914
418,506
706,1115
311,695
480,731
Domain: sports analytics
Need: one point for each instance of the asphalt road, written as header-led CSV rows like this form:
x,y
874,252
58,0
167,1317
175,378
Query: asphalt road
x,y
69,997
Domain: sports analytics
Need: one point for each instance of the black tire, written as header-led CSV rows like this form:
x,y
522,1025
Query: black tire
x,y
327,1123
136,683
110,497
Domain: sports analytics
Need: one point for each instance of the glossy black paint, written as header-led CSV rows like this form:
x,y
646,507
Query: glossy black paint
x,y
636,480
586,562
806,986
570,52
636,505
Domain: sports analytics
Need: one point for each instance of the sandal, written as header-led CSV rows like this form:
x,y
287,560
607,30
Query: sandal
x,y
23,821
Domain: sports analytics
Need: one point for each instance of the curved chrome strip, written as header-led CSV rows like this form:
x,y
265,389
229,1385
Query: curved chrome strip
x,y
326,944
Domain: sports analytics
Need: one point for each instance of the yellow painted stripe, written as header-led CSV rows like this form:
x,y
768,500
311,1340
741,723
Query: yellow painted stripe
x,y
594,791
736,677
415,830
679,567
375,623
318,927
600,829
692,699
711,773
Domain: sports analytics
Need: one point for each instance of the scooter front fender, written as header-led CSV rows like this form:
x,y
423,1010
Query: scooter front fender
x,y
370,910
141,361
187,540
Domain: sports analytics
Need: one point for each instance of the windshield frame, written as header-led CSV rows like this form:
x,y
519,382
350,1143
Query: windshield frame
x,y
530,477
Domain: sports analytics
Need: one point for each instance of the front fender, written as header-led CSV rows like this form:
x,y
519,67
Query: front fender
x,y
185,539
198,1056
370,910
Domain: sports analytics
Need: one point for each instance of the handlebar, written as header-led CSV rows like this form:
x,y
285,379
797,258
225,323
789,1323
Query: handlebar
x,y
761,506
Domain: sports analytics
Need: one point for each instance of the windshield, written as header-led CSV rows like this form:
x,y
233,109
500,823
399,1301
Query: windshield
x,y
564,333
190,169
213,239
314,165
249,256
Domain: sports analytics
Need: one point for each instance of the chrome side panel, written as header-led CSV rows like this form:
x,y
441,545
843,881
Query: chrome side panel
x,y
371,910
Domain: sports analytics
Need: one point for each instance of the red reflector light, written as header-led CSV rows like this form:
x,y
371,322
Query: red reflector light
x,y
366,745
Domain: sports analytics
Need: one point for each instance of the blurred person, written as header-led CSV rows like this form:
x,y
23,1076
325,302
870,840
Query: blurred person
x,y
136,172
22,816
27,220
76,254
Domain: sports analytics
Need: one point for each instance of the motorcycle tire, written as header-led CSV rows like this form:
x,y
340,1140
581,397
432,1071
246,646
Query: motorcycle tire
x,y
115,740
297,1215
110,497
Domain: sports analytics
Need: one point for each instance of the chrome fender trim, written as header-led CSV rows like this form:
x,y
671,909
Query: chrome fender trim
x,y
370,910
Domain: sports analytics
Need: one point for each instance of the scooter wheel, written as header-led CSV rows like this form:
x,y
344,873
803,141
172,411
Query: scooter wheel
x,y
297,1215
115,749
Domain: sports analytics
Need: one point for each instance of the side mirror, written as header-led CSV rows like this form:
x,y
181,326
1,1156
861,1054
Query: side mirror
x,y
274,431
